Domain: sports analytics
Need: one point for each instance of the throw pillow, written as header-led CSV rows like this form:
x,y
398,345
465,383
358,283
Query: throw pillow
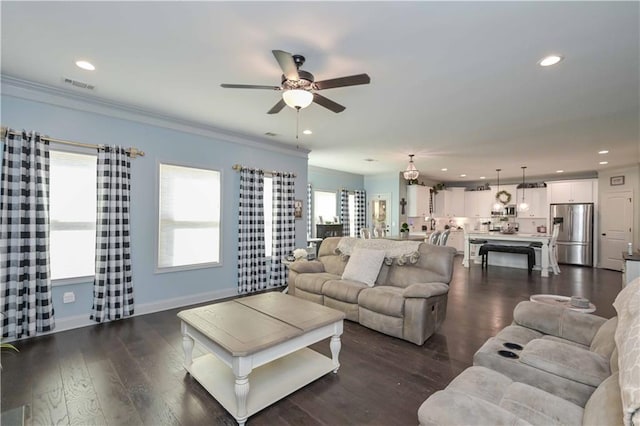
x,y
364,266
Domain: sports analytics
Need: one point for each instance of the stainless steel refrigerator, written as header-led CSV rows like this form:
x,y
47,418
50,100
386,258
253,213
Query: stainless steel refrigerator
x,y
575,240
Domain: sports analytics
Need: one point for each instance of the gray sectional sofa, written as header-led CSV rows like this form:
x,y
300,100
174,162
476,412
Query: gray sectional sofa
x,y
408,299
571,369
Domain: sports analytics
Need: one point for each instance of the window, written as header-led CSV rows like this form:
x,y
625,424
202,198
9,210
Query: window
x,y
324,206
268,215
72,214
189,217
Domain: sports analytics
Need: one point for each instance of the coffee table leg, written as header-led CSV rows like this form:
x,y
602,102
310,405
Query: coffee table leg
x,y
187,346
335,346
241,369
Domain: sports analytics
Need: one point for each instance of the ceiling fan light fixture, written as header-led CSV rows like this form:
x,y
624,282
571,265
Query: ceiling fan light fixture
x,y
411,173
297,98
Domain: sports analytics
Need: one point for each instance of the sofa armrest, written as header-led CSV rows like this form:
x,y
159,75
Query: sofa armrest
x,y
425,290
306,267
558,321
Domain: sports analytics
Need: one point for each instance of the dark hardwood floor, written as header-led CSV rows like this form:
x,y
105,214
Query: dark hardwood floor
x,y
130,372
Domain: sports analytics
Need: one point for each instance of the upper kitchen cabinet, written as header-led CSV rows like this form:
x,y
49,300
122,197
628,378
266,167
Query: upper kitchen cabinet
x,y
478,203
537,200
571,191
417,201
449,203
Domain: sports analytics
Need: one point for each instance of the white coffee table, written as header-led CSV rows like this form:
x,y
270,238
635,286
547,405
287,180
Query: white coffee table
x,y
564,301
264,338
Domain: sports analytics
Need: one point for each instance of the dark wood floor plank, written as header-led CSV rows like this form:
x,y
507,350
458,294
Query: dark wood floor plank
x,y
130,372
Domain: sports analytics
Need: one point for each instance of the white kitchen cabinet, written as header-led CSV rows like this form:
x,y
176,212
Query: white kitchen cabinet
x,y
477,204
450,203
537,200
574,191
417,201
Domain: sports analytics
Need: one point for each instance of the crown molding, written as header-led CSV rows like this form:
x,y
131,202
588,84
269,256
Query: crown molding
x,y
32,91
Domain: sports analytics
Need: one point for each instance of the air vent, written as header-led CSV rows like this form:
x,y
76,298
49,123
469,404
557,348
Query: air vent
x,y
78,84
270,134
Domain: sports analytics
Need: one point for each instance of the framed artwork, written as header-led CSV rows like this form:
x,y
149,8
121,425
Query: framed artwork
x,y
297,209
616,180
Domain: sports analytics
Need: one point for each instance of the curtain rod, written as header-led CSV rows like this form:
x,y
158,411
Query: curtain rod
x,y
238,167
133,152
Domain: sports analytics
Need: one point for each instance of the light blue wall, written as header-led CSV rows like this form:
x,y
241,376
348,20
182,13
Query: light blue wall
x,y
160,145
334,180
387,183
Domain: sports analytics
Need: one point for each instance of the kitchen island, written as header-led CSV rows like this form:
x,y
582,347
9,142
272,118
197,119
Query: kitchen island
x,y
507,259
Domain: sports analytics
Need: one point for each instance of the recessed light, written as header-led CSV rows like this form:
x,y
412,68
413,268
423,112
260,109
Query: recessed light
x,y
559,171
604,151
85,65
444,170
550,60
463,175
482,177
604,162
307,132
370,160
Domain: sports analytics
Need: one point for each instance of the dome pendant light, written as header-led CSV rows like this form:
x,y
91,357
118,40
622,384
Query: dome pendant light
x,y
497,207
297,98
411,173
523,207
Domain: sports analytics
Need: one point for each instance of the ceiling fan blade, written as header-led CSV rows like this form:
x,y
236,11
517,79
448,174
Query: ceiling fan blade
x,y
249,86
352,80
277,107
288,65
327,103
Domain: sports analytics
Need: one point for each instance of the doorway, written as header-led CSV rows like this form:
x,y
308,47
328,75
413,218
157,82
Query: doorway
x,y
380,213
616,230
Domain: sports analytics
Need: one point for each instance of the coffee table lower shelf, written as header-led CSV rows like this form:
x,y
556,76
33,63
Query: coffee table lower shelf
x,y
268,383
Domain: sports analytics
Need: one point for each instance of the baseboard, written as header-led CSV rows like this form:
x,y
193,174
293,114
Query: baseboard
x,y
78,321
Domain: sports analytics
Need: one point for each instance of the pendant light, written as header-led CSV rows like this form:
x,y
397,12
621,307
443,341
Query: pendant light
x,y
411,173
497,206
523,207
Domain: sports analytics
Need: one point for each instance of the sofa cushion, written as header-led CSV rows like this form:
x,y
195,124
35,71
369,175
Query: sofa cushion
x,y
305,266
313,283
539,407
605,406
364,266
451,407
343,290
565,360
627,339
481,382
565,341
385,300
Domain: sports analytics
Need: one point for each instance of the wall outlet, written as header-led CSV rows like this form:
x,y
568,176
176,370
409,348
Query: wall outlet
x,y
68,297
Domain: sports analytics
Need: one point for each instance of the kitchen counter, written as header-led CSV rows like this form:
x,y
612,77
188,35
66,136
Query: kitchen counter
x,y
511,239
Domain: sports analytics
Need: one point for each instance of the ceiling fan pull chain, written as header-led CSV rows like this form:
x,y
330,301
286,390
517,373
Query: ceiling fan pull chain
x,y
297,121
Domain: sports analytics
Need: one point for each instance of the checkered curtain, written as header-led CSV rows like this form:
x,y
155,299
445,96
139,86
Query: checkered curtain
x,y
112,284
361,210
25,288
252,264
309,210
344,211
284,226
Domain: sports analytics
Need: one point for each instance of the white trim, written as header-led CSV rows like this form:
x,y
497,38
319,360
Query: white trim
x,y
28,90
78,321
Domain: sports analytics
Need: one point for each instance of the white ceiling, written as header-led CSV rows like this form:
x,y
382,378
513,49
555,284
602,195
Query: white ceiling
x,y
455,83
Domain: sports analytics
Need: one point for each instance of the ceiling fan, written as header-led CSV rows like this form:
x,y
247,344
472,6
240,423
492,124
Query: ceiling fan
x,y
298,87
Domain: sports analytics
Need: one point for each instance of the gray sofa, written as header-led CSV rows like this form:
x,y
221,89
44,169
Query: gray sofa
x,y
408,300
573,369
